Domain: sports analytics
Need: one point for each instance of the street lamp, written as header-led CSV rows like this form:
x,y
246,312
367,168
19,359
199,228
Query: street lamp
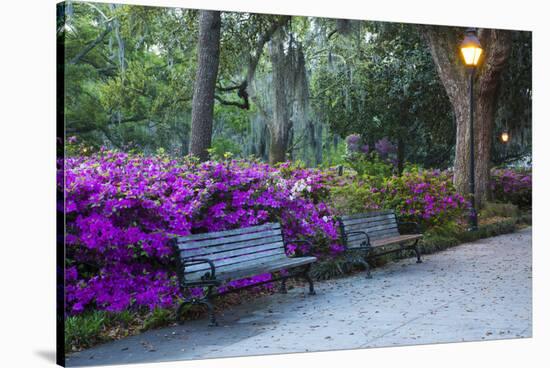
x,y
505,137
471,52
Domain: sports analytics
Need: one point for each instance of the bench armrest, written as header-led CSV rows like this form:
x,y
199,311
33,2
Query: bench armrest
x,y
196,261
300,241
362,233
410,223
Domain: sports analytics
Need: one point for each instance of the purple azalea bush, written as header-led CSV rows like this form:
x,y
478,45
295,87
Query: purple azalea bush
x,y
424,196
121,210
385,148
353,143
514,186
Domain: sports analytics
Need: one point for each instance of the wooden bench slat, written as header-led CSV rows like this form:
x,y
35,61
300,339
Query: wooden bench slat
x,y
246,270
357,238
220,263
202,251
249,264
373,237
229,268
226,233
373,234
242,252
370,224
368,220
371,227
395,240
194,244
366,215
270,267
358,243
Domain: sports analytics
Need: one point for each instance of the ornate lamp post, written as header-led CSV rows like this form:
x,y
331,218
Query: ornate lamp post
x,y
471,51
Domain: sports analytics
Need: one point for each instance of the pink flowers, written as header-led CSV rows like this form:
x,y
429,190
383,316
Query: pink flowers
x,y
423,195
514,186
121,210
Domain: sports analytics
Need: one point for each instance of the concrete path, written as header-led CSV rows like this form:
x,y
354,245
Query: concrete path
x,y
476,291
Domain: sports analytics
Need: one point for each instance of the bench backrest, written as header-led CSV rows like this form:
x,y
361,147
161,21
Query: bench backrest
x,y
380,224
231,249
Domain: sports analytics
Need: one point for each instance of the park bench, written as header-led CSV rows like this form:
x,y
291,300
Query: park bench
x,y
363,233
211,259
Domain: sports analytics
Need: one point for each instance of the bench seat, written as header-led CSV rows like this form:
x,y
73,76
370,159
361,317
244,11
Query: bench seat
x,y
395,240
270,266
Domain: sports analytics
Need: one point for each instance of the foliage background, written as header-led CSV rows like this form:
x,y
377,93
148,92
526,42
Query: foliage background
x,y
129,72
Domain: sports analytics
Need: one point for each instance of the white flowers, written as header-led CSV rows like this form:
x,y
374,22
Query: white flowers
x,y
325,218
281,183
299,187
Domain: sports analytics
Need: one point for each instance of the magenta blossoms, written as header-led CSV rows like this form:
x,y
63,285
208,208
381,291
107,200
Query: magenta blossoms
x,y
121,210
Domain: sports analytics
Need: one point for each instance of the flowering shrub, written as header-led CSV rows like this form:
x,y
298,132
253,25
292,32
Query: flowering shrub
x,y
353,142
378,163
385,148
512,186
425,196
121,210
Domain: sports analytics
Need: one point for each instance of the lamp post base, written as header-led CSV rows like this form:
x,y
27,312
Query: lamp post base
x,y
473,220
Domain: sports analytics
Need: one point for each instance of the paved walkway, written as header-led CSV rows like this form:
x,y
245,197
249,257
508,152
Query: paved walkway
x,y
476,291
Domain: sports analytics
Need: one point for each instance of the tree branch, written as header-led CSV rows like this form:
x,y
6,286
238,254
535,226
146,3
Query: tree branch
x,y
498,45
245,105
443,43
255,58
90,127
91,45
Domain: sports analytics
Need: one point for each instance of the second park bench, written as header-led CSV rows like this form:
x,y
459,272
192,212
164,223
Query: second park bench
x,y
363,233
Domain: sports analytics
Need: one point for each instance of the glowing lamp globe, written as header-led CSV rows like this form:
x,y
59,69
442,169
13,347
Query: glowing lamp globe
x,y
471,48
505,137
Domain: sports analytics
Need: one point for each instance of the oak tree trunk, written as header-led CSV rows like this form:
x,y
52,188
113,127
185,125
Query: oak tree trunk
x,y
205,83
444,45
280,125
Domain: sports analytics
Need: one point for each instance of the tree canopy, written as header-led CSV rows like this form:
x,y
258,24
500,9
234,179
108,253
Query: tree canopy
x,y
295,85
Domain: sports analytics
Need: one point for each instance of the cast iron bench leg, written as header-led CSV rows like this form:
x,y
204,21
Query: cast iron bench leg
x,y
366,264
307,277
211,315
417,251
179,312
282,288
367,269
206,301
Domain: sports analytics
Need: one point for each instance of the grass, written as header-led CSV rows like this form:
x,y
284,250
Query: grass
x,y
160,317
84,330
92,328
499,210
